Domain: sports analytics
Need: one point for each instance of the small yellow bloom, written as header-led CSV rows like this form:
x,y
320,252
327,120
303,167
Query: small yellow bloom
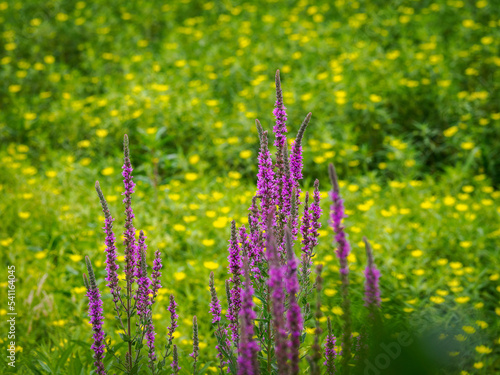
x,y
24,215
51,174
375,98
330,292
179,228
417,253
194,159
337,310
76,258
462,299
101,133
179,276
211,265
437,299
151,130
107,171
468,329
245,154
478,365
191,176
467,145
208,242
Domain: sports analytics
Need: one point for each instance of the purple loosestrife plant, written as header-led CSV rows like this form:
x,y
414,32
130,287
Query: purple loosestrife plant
x,y
372,288
266,189
294,314
343,249
235,268
330,352
248,348
135,302
196,344
96,317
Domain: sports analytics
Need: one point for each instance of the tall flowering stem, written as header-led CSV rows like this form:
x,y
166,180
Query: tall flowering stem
x,y
315,356
175,362
96,318
372,288
111,262
294,314
279,128
277,296
235,268
343,249
131,249
296,165
196,344
155,276
310,233
248,348
330,352
266,189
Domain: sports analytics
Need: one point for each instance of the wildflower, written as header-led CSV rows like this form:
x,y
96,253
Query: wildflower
x,y
215,308
196,344
111,265
175,362
248,348
343,249
173,319
235,292
129,234
330,352
265,177
155,275
294,314
372,289
275,282
96,317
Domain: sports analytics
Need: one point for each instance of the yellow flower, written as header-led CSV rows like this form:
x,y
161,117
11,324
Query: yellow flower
x,y
191,176
419,272
462,299
450,131
41,254
179,276
417,253
151,130
375,98
478,365
211,265
468,329
337,310
449,201
330,292
437,299
83,144
467,145
29,116
76,258
101,133
51,174
245,154
461,207
107,171
483,349
174,197
194,159
24,215
179,228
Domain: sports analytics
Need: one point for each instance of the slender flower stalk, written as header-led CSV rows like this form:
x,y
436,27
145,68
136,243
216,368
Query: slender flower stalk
x,y
223,344
343,249
266,184
111,263
294,314
215,307
96,318
280,129
248,348
276,290
131,249
196,344
155,276
173,320
175,362
372,288
296,164
142,296
330,352
256,249
315,356
235,268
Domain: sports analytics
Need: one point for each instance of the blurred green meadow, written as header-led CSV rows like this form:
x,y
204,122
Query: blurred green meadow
x,y
405,100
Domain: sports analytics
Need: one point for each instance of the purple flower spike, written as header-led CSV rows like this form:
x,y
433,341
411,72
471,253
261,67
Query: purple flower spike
x,y
131,249
248,348
173,319
296,159
175,362
215,308
372,288
111,264
143,281
266,184
294,314
343,248
280,129
155,275
235,268
330,352
96,318
276,286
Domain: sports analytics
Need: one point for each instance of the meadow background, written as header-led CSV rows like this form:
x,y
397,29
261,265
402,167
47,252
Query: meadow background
x,y
405,101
